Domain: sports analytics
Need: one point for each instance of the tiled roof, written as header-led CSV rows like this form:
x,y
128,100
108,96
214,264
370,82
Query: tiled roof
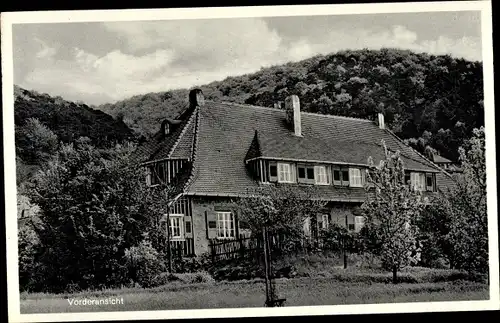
x,y
220,136
230,133
161,147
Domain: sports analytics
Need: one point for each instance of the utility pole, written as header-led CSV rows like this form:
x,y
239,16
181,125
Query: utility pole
x,y
169,249
266,265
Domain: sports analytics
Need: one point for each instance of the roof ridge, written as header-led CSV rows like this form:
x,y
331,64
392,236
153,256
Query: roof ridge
x,y
425,158
275,109
183,131
193,154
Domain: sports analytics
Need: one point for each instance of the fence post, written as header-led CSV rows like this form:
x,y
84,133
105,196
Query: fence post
x,y
212,249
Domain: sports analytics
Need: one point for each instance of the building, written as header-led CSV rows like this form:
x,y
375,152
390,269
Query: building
x,y
446,164
216,151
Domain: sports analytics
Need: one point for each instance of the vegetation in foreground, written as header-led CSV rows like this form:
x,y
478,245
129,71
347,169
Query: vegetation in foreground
x,y
304,291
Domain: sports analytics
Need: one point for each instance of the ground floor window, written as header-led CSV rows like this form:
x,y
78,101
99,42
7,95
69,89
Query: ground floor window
x,y
226,226
176,226
359,222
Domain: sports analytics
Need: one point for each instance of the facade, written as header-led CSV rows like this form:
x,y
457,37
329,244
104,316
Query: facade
x,y
215,152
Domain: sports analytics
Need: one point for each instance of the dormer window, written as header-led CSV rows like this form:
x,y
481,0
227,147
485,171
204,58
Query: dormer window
x,y
286,173
166,129
418,181
322,175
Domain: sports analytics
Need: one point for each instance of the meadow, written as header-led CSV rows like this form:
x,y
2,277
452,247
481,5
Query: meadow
x,y
339,287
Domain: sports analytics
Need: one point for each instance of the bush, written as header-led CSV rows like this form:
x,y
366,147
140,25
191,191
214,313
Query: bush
x,y
144,264
194,278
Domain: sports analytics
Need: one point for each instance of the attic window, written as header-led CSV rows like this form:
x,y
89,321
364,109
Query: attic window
x,y
166,128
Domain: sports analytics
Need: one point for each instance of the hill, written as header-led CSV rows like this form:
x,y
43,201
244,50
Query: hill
x,y
42,121
433,102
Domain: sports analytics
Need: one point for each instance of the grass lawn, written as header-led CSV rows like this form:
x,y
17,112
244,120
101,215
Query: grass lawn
x,y
298,292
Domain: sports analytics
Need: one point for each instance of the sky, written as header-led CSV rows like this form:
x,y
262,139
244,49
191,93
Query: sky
x,y
103,62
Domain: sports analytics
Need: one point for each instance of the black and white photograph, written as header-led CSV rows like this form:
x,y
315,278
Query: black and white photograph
x,y
249,161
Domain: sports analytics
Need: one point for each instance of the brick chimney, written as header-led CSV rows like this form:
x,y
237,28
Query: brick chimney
x,y
292,108
381,122
196,98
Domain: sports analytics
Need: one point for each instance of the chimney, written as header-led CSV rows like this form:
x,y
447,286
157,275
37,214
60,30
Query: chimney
x,y
292,108
196,98
381,122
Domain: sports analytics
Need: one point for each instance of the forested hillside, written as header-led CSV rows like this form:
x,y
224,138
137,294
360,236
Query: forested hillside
x,y
433,102
42,122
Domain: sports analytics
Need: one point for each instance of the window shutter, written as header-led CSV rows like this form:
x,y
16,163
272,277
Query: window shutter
x,y
352,173
328,175
363,177
211,224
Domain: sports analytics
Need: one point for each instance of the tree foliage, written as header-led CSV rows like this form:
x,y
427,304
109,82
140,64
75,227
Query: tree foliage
x,y
390,211
36,143
467,207
281,209
93,206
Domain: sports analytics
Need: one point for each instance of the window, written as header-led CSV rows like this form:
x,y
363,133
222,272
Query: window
x,y
302,173
176,225
356,179
156,174
345,177
273,170
336,177
417,181
285,174
429,179
325,221
305,174
321,175
226,226
359,222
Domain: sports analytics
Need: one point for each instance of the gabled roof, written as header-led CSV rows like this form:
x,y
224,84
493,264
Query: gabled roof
x,y
219,137
162,146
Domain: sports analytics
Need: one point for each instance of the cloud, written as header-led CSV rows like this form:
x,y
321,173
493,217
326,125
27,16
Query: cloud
x,y
162,55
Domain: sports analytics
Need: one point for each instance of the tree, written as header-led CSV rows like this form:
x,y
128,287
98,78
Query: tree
x,y
93,206
36,143
469,223
280,209
390,210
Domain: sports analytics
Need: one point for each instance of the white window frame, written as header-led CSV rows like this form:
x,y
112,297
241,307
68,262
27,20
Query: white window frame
x,y
418,181
355,177
325,223
179,218
226,225
321,175
285,173
359,222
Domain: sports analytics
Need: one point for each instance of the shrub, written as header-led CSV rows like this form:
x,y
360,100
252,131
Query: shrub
x,y
144,264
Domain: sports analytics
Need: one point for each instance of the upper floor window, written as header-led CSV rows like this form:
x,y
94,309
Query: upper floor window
x,y
321,175
226,225
156,174
285,173
305,173
341,176
429,181
356,177
417,181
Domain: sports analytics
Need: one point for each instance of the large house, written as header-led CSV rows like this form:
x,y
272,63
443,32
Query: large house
x,y
217,151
